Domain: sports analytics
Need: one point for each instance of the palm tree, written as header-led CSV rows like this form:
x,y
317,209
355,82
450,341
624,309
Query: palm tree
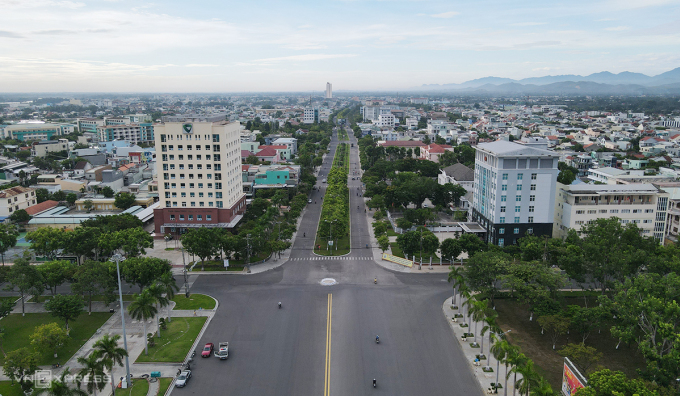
x,y
499,350
107,350
59,387
455,277
529,376
516,359
490,326
93,369
160,301
142,308
478,310
464,291
169,286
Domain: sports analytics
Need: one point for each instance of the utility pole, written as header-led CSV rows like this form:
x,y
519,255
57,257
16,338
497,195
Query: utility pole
x,y
420,264
186,282
248,252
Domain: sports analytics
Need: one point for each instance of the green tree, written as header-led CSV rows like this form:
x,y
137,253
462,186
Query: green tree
x,y
55,273
42,195
94,277
49,337
8,238
556,325
142,308
65,307
46,241
566,177
133,242
484,270
383,243
19,365
83,242
106,349
88,205
23,277
58,196
108,192
144,271
169,286
124,201
20,216
71,198
403,223
409,242
472,244
202,242
582,355
93,372
606,383
451,249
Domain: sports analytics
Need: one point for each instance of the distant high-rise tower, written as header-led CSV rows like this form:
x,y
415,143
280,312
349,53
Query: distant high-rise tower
x,y
329,91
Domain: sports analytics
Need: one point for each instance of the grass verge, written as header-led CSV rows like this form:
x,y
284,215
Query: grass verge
x,y
538,347
164,384
140,387
195,301
18,330
7,389
175,342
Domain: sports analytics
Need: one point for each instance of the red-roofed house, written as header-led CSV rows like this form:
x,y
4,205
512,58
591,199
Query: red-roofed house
x,y
244,155
268,154
282,149
433,151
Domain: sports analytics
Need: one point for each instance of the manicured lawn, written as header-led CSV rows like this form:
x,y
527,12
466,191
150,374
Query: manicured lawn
x,y
97,297
391,233
538,347
18,330
164,385
7,389
343,247
396,251
140,387
175,342
195,301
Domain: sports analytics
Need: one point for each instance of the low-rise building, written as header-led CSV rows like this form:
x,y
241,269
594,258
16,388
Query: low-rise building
x,y
458,174
41,149
642,204
15,198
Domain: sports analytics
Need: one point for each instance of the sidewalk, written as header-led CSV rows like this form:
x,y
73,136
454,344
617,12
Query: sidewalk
x,y
485,378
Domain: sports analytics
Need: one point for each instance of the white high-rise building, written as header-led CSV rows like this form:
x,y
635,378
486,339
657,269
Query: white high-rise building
x,y
199,176
329,91
514,191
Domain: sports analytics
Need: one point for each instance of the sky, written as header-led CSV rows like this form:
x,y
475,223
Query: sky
x,y
278,46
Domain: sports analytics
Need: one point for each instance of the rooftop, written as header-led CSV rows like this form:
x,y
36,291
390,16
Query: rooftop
x,y
637,188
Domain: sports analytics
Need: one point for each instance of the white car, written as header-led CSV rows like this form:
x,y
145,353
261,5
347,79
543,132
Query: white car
x,y
183,378
309,200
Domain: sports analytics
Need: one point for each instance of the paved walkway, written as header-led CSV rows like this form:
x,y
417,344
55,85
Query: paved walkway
x,y
485,378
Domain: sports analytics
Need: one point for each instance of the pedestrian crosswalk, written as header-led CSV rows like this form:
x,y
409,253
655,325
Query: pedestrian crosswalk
x,y
330,258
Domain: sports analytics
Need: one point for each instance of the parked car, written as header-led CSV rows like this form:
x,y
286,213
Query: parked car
x,y
207,349
183,378
309,200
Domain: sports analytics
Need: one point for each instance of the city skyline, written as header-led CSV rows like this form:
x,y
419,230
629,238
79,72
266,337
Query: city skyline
x,y
121,46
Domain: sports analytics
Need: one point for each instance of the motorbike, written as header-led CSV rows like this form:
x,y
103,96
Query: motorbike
x,y
279,305
375,281
377,340
374,383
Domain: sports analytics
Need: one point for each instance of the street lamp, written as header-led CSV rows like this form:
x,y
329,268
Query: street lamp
x,y
331,233
118,258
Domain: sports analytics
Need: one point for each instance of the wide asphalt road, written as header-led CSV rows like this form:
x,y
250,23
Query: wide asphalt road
x,y
322,342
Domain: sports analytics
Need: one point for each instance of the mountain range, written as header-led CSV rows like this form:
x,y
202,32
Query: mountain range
x,y
570,84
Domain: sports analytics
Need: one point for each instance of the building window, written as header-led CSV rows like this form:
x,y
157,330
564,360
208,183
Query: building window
x,y
505,176
532,198
531,209
181,217
519,187
208,217
199,217
518,198
501,230
517,219
530,231
517,209
501,242
531,219
533,187
191,217
502,209
533,176
172,217
502,220
504,198
516,230
519,176
504,187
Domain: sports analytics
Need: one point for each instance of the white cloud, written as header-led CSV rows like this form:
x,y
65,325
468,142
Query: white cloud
x,y
528,24
449,14
297,58
201,65
617,28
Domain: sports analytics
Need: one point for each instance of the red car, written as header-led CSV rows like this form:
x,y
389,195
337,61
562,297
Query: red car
x,y
207,349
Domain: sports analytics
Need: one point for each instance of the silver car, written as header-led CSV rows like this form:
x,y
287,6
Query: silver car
x,y
183,378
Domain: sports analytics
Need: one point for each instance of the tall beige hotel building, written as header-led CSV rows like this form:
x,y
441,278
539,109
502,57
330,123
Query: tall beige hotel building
x,y
199,174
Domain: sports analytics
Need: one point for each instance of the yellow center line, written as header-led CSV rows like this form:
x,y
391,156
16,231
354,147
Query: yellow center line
x,y
327,375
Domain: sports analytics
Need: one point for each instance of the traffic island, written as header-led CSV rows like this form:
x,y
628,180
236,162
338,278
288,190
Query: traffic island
x,y
194,302
175,341
140,387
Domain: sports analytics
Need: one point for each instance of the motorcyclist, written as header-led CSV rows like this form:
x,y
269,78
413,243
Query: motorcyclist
x,y
279,304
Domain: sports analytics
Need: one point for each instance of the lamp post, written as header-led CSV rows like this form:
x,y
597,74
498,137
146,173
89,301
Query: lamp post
x,y
118,258
186,282
331,234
